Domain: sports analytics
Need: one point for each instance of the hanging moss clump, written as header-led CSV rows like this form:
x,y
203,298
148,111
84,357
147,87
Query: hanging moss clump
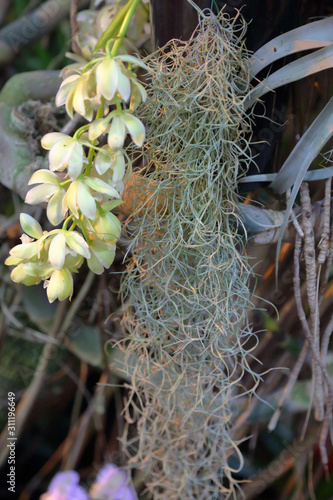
x,y
188,277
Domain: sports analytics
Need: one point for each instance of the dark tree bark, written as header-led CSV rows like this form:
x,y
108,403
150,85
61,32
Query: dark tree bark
x,y
174,19
266,19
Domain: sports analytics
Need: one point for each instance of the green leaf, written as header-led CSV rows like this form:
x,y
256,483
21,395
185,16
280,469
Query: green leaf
x,y
297,163
85,343
305,66
310,175
310,36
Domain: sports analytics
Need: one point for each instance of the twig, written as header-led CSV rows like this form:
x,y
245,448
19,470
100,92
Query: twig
x,y
326,339
284,462
324,242
26,403
312,293
293,216
74,26
15,36
28,400
315,354
291,382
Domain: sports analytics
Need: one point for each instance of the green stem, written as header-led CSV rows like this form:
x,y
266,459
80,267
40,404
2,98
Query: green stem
x,y
124,26
75,223
81,130
91,63
64,183
117,101
65,224
84,232
113,27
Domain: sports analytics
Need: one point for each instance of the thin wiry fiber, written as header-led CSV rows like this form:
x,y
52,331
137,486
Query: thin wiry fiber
x,y
188,278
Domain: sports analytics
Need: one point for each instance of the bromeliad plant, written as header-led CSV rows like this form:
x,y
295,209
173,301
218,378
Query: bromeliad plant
x,y
82,188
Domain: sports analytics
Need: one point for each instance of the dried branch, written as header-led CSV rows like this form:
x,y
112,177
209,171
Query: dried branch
x,y
312,289
31,27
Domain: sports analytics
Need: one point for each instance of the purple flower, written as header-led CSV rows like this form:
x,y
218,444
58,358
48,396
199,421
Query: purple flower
x,y
112,484
65,486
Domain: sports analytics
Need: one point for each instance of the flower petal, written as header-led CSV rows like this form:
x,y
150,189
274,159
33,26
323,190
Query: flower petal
x,y
69,102
132,60
94,264
31,226
60,285
24,251
77,243
107,227
118,167
85,201
19,275
78,98
103,161
101,186
57,251
104,253
75,161
107,78
70,199
52,138
135,127
60,153
124,85
117,133
98,127
55,210
65,89
40,193
39,269
44,176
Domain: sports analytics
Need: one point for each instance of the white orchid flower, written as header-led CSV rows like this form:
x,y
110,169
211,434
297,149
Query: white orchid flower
x,y
77,92
65,152
124,122
82,195
60,285
50,189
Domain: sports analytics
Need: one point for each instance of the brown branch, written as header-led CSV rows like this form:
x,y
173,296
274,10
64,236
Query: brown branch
x,y
74,26
317,359
31,27
312,289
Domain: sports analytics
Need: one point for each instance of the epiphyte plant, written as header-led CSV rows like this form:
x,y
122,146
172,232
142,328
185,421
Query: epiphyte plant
x,y
81,189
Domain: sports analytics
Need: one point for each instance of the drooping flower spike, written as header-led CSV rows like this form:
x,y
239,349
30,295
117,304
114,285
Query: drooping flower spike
x,y
85,178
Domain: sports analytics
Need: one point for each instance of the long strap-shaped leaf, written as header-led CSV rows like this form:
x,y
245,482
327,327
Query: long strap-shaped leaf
x,y
305,66
306,150
310,175
298,162
311,36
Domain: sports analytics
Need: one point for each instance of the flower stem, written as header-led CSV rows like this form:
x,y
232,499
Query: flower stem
x,y
65,224
124,26
80,131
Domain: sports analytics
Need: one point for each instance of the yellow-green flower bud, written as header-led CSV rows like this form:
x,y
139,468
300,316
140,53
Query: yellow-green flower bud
x,y
60,285
101,256
106,228
30,226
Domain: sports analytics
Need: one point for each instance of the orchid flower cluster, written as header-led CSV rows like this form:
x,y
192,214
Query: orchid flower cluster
x,y
111,483
85,179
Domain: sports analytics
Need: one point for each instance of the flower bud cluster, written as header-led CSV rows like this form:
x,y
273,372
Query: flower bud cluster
x,y
85,179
